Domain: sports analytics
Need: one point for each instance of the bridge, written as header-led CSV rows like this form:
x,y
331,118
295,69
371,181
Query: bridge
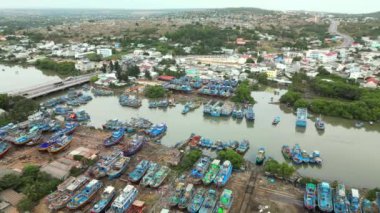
x,y
53,86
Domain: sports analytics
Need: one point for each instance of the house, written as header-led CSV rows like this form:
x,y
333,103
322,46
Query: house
x,y
104,52
166,78
271,73
328,57
240,41
85,65
60,168
11,197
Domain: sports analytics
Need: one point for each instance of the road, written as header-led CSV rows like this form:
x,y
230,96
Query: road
x,y
333,30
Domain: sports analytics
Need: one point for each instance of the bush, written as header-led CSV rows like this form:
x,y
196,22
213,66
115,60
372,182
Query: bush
x,y
189,160
306,180
17,108
236,159
94,79
283,170
25,205
243,94
157,91
61,68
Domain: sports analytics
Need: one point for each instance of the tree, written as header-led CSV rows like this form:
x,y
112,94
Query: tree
x,y
236,159
188,160
250,61
282,170
262,78
133,70
156,91
260,59
111,66
243,93
147,75
94,57
104,68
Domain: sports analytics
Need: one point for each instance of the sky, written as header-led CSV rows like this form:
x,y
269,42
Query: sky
x,y
340,6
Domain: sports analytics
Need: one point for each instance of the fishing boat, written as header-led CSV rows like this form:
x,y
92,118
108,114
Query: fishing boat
x,y
359,124
260,157
297,154
148,177
187,196
115,138
177,194
209,202
60,144
197,201
249,113
205,142
286,152
70,128
113,124
237,113
366,206
78,116
160,176
122,202
354,199
325,202
157,130
319,124
212,172
378,200
341,204
139,171
118,167
187,107
52,140
243,147
310,196
4,148
276,120
305,157
234,145
225,201
126,100
105,200
224,174
84,99
86,195
226,110
134,145
61,110
315,158
25,138
105,164
194,141
301,117
200,169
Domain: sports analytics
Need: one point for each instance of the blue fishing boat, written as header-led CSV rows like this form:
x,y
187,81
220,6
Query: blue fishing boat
x,y
157,130
305,157
225,202
148,178
139,171
224,174
315,158
260,157
52,140
135,145
105,200
319,124
122,202
61,110
301,117
237,113
84,99
70,128
160,176
249,113
4,148
105,164
297,154
186,108
115,138
243,147
118,167
200,169
60,144
205,142
276,120
310,197
234,145
128,101
113,125
367,206
33,133
209,202
78,116
73,102
187,196
86,195
325,202
341,204
177,194
378,199
197,201
354,199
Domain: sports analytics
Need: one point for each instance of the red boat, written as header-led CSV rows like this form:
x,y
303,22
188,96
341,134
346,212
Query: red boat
x,y
194,140
4,148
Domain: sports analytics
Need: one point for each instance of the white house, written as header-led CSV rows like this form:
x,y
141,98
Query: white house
x,y
104,52
328,57
85,65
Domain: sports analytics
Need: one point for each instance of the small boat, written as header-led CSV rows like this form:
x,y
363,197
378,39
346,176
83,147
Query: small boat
x,y
113,125
78,116
286,152
134,145
60,144
249,113
237,113
139,171
105,164
354,199
359,124
118,167
4,148
225,201
305,157
212,172
105,200
297,154
194,141
206,143
310,196
260,157
122,202
367,206
234,144
84,99
200,169
243,147
126,100
325,202
187,196
160,176
115,138
157,130
315,158
209,203
101,92
148,178
301,117
276,120
86,195
320,124
224,174
197,201
177,194
33,133
70,128
61,110
341,204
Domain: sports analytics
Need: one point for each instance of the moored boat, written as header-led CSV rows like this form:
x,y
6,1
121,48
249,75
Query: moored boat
x,y
212,172
148,177
325,202
194,141
301,117
70,128
249,113
122,202
341,204
354,199
177,194
118,167
224,174
225,201
187,196
286,152
113,125
4,148
209,202
366,206
60,144
134,145
105,200
52,140
104,164
310,196
243,147
78,116
157,130
260,157
200,169
115,138
319,124
197,201
160,176
276,120
139,171
84,196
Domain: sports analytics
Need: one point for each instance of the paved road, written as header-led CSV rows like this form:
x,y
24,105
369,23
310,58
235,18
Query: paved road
x,y
333,29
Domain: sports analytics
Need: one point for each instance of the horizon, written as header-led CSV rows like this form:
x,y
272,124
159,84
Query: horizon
x,y
323,6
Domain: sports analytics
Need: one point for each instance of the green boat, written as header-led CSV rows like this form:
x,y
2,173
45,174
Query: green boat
x,y
178,193
160,176
148,178
225,202
212,172
186,198
209,203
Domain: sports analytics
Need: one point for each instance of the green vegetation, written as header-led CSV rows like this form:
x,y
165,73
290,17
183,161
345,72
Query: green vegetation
x,y
33,183
176,74
17,108
371,194
283,170
61,68
156,91
243,93
357,30
94,79
188,160
236,159
306,180
94,57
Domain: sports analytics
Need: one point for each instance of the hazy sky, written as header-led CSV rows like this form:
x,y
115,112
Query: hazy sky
x,y
344,6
